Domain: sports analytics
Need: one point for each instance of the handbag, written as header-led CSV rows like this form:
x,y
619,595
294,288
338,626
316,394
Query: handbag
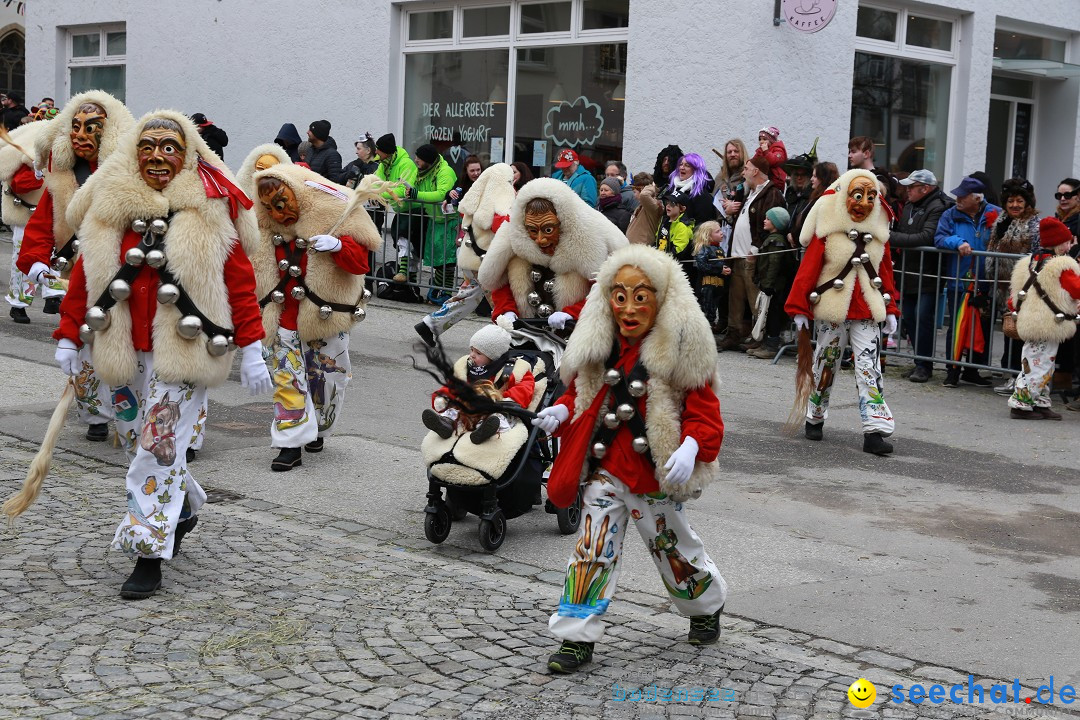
x,y
1008,326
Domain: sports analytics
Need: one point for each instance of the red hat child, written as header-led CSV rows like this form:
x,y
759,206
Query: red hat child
x,y
1052,232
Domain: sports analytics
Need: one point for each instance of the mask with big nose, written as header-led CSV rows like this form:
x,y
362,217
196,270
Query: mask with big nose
x,y
633,302
161,153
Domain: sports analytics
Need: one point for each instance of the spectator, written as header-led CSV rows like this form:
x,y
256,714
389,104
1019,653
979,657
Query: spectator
x,y
675,235
216,138
434,180
965,228
730,190
919,275
746,238
289,139
666,160
366,162
303,151
709,261
14,111
692,179
772,149
522,174
1016,231
399,171
616,169
774,272
797,195
324,157
1068,205
470,171
645,219
611,203
824,175
457,154
569,170
861,156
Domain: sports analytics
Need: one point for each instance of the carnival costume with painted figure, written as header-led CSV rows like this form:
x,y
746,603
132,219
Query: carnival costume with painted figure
x,y
548,277
484,208
49,244
845,283
310,269
1044,290
641,427
22,191
162,293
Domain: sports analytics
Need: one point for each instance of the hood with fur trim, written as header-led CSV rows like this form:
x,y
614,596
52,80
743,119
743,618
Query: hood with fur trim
x,y
587,237
11,159
245,176
829,214
54,145
492,194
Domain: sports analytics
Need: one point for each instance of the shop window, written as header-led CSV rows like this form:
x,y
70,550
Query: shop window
x,y
929,33
1017,46
605,14
97,59
876,24
485,21
545,17
435,25
13,63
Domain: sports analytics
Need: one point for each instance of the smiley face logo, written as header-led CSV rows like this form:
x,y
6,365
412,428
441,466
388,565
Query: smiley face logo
x,y
862,692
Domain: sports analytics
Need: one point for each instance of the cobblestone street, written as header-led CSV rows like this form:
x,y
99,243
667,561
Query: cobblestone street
x,y
273,612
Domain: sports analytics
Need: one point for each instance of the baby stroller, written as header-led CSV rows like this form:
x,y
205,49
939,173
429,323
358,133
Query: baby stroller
x,y
500,479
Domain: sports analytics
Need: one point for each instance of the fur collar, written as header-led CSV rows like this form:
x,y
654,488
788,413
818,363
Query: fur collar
x,y
53,146
11,159
829,214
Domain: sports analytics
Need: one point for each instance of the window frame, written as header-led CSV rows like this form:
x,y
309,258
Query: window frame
x,y
102,59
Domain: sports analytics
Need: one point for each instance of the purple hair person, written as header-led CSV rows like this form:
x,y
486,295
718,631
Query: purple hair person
x,y
699,176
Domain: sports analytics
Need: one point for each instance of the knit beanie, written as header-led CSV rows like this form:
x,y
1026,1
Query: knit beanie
x,y
1052,232
771,131
320,129
491,340
387,143
429,154
779,217
760,163
613,184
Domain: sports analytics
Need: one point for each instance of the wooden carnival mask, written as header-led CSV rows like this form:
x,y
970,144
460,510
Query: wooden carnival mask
x,y
544,229
87,127
279,201
161,155
633,303
861,198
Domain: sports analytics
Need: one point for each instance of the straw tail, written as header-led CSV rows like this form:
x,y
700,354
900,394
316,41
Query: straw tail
x,y
370,188
804,384
18,503
7,139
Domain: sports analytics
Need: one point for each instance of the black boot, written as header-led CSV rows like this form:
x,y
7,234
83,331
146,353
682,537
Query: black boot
x,y
814,432
183,528
19,315
424,332
704,629
437,424
485,430
189,454
98,433
286,460
874,443
144,581
314,446
52,306
570,656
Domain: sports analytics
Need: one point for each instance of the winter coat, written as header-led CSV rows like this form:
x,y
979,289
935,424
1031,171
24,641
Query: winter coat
x,y
773,272
432,184
920,272
763,202
617,214
956,228
326,160
12,117
216,139
583,183
676,237
356,170
776,156
709,261
641,229
1020,237
398,168
628,200
289,138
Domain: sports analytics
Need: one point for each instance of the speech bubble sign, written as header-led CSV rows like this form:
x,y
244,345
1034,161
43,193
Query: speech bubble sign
x,y
574,124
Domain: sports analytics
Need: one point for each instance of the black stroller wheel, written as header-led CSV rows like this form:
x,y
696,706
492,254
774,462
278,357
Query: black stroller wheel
x,y
569,518
493,531
437,524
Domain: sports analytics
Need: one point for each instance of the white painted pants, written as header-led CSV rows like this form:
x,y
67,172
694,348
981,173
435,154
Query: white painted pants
x,y
20,289
309,386
463,302
93,398
864,337
689,575
160,490
1033,384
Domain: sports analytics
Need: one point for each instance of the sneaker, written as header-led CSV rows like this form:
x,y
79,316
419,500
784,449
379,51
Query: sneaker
x,y
19,315
875,444
1007,387
1047,413
52,306
1018,414
919,375
952,379
749,344
972,377
400,277
891,344
485,430
425,333
814,432
286,460
98,432
183,528
437,424
704,629
315,446
764,352
571,656
144,580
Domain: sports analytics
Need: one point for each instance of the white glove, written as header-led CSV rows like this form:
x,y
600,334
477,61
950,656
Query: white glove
x,y
802,322
557,320
509,317
681,463
890,324
36,271
254,375
325,243
67,356
549,419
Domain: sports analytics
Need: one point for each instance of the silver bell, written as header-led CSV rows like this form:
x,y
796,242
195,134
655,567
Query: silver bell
x,y
189,326
60,263
853,234
625,411
359,314
864,258
1022,294
167,294
155,258
366,295
545,310
97,318
599,450
611,421
856,261
876,282
159,226
86,334
1060,317
217,345
134,257
535,276
298,293
301,243
232,343
75,245
838,284
640,444
612,376
119,290
138,225
294,270
549,287
277,239
325,311
886,297
277,296
637,388
533,298
867,238
814,297
283,265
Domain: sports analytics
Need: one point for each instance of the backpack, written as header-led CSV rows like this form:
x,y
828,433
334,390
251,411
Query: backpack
x,y
382,285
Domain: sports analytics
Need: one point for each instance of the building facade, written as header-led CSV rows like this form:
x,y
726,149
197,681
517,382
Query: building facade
x,y
951,85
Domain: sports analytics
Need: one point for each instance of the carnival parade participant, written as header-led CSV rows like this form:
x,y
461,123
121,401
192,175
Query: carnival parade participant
x,y
1045,288
161,295
643,435
845,283
310,268
541,262
22,190
68,151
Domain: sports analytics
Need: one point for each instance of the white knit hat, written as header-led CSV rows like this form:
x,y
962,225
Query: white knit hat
x,y
491,340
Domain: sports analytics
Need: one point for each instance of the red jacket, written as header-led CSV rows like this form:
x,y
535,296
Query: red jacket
x,y
776,156
25,180
352,258
239,279
39,240
798,302
520,391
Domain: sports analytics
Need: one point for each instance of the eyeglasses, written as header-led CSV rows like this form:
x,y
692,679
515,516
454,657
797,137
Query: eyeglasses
x,y
1066,195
